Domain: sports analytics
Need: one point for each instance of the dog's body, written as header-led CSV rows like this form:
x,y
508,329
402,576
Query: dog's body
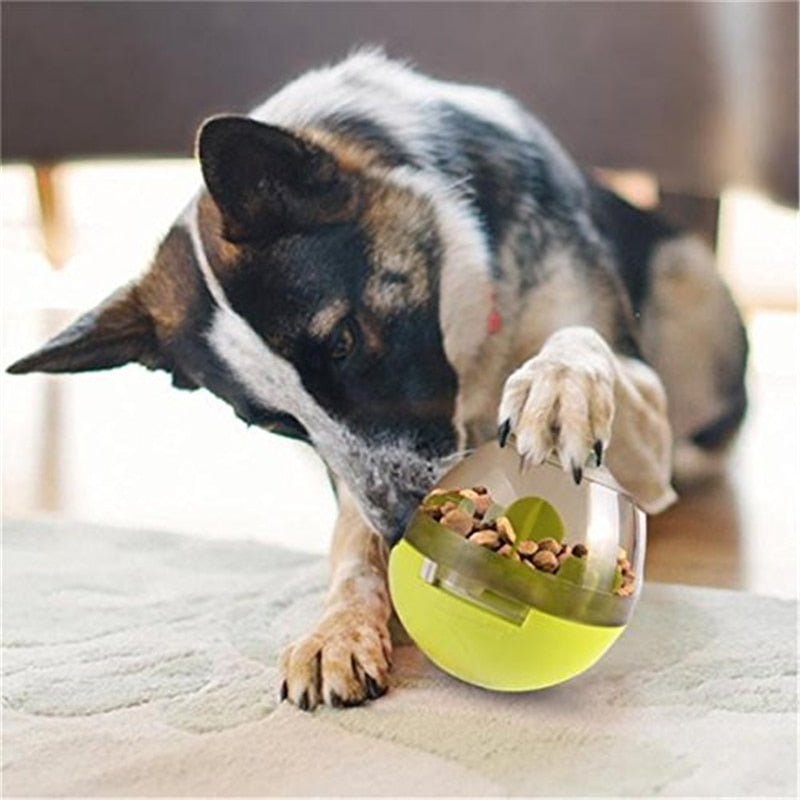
x,y
389,267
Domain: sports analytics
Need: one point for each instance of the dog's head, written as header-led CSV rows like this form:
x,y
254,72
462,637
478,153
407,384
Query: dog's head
x,y
303,290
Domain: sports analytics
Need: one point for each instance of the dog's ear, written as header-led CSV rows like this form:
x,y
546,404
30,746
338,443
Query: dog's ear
x,y
116,332
267,181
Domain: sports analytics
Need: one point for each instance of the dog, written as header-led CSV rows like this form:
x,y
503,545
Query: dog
x,y
395,270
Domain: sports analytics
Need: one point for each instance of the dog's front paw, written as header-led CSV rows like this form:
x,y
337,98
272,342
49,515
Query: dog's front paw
x,y
562,401
343,662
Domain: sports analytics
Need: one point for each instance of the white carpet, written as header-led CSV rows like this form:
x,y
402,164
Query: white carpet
x,y
144,664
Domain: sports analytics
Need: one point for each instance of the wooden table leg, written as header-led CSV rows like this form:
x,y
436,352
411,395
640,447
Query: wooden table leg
x,y
56,245
53,212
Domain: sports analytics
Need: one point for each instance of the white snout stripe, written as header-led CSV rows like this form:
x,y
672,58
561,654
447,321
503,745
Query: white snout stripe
x,y
269,379
272,381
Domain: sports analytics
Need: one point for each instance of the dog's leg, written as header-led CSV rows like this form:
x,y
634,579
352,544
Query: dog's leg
x,y
345,660
579,399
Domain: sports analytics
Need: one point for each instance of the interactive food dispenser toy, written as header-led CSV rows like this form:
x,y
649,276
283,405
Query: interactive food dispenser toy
x,y
473,594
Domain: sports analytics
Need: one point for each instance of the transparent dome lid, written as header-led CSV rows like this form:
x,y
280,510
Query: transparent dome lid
x,y
596,583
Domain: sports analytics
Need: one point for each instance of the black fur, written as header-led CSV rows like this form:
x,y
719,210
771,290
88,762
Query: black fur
x,y
265,179
372,135
279,288
498,171
632,235
114,333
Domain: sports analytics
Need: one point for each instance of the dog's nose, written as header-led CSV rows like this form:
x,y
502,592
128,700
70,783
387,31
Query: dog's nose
x,y
401,514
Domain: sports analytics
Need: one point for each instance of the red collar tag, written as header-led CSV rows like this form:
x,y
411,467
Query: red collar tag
x,y
494,322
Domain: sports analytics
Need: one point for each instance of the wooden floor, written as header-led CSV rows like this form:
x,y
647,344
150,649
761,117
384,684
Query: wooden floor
x,y
700,540
740,531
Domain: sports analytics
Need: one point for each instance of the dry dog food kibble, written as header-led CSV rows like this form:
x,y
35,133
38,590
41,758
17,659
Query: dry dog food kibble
x,y
458,521
473,514
545,560
527,548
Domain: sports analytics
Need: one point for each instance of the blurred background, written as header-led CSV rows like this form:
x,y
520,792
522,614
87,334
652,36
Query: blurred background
x,y
686,107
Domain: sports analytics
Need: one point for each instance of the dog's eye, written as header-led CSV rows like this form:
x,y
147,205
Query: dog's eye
x,y
343,339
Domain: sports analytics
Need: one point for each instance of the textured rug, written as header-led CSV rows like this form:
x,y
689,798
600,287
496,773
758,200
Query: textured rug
x,y
144,664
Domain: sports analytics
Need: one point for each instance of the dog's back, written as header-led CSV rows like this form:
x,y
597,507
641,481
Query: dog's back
x,y
533,208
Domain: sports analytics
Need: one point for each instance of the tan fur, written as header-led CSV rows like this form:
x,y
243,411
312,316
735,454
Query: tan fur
x,y
161,290
351,156
351,640
222,254
370,326
397,223
688,325
564,297
326,319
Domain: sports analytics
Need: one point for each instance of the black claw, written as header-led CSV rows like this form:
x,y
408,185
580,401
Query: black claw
x,y
336,701
318,673
303,704
577,473
284,691
373,688
598,452
503,431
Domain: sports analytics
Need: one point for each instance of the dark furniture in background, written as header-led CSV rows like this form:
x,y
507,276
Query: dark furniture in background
x,y
700,94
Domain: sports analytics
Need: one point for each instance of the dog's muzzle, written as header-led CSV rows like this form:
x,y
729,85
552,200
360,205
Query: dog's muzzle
x,y
399,515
